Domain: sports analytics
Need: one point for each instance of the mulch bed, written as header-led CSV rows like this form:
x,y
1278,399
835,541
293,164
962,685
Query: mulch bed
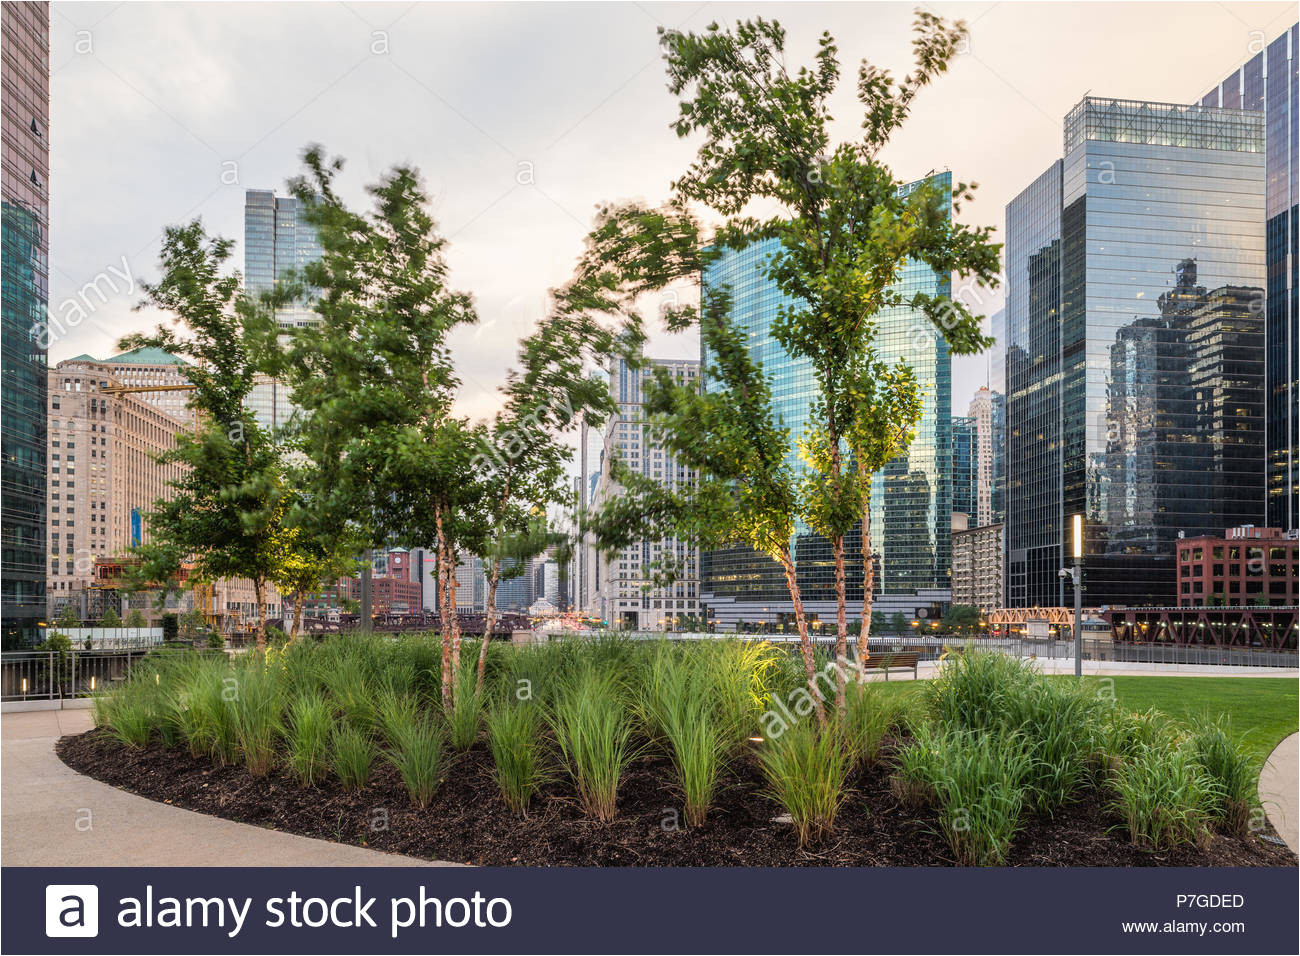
x,y
469,823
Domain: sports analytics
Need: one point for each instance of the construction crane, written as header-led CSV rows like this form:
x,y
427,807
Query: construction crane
x,y
205,594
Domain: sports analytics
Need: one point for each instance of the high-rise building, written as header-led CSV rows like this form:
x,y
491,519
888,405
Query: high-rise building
x,y
104,477
24,287
977,566
627,595
147,368
1135,274
965,469
911,499
278,243
987,415
1267,82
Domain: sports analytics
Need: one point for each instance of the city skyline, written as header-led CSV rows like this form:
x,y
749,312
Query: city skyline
x,y
509,162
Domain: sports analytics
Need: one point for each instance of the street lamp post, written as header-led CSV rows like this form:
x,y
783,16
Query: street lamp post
x,y
1078,595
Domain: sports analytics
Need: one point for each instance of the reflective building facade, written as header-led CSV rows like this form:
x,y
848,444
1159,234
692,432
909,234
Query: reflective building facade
x,y
24,287
911,498
278,241
1268,82
1134,362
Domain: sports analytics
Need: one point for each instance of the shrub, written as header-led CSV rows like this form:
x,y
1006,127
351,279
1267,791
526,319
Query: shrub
x,y
806,770
216,642
256,712
310,722
353,753
1230,772
594,731
1164,796
517,752
419,756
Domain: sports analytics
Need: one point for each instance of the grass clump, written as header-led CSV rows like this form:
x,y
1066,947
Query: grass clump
x,y
806,769
980,783
256,711
465,716
352,754
869,716
1164,796
593,729
311,720
1230,770
419,754
514,735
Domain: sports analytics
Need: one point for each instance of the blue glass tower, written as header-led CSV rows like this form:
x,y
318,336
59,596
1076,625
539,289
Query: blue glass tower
x,y
965,488
911,498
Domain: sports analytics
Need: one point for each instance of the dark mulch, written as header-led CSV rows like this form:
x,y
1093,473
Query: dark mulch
x,y
469,823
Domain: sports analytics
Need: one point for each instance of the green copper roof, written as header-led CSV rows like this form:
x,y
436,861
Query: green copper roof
x,y
147,356
84,357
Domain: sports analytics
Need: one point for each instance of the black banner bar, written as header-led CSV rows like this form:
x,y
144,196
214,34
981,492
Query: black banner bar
x,y
487,910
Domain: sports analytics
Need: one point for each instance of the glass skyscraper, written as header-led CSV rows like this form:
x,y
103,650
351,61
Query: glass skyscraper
x,y
911,498
965,475
1134,361
25,105
1268,82
278,241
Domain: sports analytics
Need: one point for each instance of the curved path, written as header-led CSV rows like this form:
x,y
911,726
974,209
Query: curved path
x,y
54,816
1278,783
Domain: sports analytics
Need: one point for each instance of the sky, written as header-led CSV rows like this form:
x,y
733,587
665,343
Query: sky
x,y
523,118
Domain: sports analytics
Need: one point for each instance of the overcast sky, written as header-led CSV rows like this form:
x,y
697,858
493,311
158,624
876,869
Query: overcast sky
x,y
161,112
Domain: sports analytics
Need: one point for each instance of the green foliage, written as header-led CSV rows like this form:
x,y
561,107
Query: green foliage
x,y
257,711
419,755
171,628
869,716
353,754
136,619
806,770
311,721
68,617
466,714
961,618
973,691
980,782
216,641
518,752
593,729
1230,771
110,619
1164,796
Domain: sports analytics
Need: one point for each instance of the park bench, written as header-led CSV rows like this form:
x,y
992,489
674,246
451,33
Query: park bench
x,y
892,660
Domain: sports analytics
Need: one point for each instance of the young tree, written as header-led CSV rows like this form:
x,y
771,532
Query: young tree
x,y
375,380
110,619
844,227
225,508
68,617
136,618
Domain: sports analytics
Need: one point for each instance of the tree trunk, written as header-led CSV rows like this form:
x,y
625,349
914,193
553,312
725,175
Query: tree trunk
x,y
490,620
259,593
297,616
455,624
805,644
868,584
445,576
841,624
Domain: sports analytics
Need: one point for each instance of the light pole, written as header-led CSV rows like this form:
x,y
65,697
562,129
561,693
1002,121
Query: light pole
x,y
1076,575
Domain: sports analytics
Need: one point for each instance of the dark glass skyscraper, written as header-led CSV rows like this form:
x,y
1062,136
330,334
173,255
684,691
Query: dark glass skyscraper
x,y
1268,82
965,475
911,498
1134,362
25,105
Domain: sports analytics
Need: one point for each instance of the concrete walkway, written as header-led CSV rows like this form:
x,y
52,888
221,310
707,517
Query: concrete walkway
x,y
53,816
1279,790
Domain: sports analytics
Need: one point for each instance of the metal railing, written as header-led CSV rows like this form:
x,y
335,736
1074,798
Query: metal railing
x,y
51,675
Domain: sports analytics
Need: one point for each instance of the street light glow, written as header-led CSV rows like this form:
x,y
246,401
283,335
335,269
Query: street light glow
x,y
1078,537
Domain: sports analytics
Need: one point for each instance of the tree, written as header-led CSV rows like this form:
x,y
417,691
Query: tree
x,y
190,625
960,618
375,380
843,226
136,619
730,435
110,619
898,623
68,617
225,509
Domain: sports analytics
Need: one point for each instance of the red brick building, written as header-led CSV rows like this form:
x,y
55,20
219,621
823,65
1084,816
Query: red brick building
x,y
1248,565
